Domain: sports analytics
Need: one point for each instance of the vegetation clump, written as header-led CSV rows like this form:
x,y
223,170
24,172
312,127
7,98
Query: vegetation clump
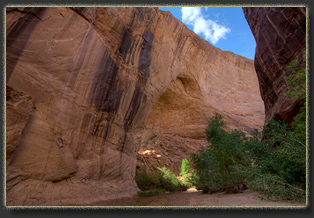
x,y
215,163
275,166
157,182
187,174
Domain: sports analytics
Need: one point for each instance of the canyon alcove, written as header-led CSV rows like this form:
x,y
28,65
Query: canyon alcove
x,y
178,110
87,86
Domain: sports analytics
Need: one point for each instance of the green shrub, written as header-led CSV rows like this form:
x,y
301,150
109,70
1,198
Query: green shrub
x,y
214,164
185,167
147,181
187,173
296,81
157,182
170,182
277,164
275,167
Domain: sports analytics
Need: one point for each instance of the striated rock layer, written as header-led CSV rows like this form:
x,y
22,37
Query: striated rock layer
x,y
280,35
86,86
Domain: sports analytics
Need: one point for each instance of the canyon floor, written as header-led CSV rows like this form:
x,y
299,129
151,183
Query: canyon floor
x,y
192,197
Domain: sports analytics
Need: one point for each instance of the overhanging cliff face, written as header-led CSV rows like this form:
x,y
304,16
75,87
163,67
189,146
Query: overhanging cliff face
x,y
84,83
280,34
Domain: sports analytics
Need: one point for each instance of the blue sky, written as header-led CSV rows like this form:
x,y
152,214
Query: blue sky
x,y
223,27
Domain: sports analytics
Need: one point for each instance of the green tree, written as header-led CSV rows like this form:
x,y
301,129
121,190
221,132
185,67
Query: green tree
x,y
278,164
187,174
185,167
215,164
276,167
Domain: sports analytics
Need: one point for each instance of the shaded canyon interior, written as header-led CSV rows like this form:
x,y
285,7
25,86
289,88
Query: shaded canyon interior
x,y
87,90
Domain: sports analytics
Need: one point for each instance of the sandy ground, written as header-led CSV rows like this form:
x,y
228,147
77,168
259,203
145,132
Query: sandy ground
x,y
193,197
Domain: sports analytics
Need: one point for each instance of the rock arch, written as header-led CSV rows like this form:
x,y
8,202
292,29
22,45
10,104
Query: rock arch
x,y
178,110
77,111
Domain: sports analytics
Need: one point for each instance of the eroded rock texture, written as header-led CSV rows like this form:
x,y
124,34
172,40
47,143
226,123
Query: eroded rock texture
x,y
167,150
280,35
92,84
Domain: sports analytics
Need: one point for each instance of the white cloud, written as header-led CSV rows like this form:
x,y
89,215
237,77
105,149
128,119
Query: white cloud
x,y
212,31
189,15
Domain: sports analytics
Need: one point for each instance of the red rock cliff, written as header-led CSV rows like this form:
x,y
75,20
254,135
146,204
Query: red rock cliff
x,y
280,38
85,87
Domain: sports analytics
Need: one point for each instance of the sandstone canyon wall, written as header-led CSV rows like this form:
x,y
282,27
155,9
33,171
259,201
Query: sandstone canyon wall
x,y
280,34
86,86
